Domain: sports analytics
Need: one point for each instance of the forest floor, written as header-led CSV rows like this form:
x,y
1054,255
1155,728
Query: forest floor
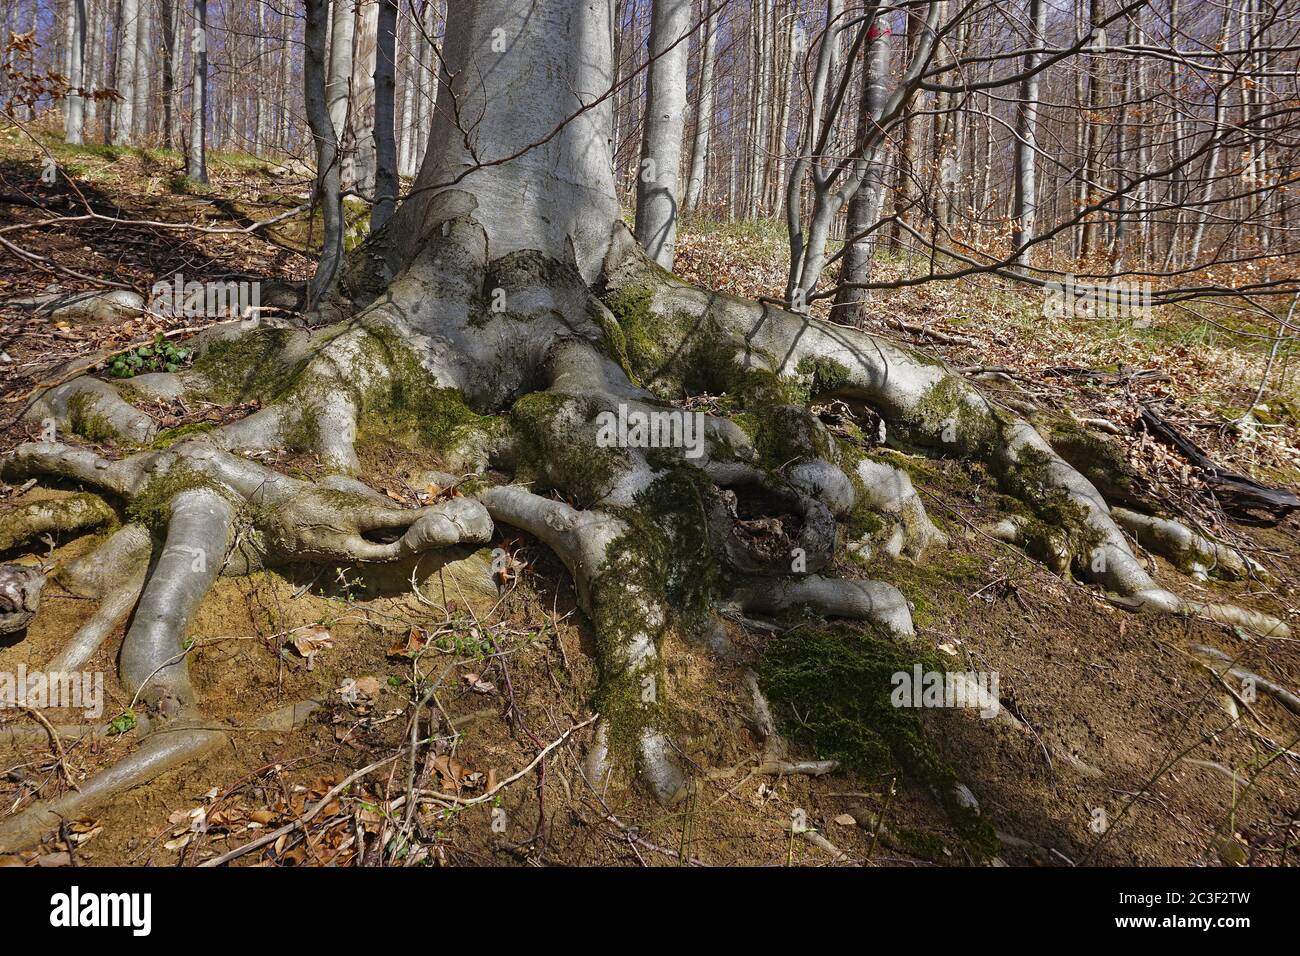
x,y
1190,773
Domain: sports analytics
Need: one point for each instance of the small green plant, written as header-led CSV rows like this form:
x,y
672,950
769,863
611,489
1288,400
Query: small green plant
x,y
161,355
123,723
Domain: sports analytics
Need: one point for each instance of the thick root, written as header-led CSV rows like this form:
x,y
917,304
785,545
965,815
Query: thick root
x,y
1190,552
161,751
56,515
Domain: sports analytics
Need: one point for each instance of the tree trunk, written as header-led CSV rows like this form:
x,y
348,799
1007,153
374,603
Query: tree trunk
x,y
196,167
864,209
1026,149
661,138
124,79
517,320
411,78
167,22
703,117
140,82
325,133
74,115
359,151
338,84
386,183
556,198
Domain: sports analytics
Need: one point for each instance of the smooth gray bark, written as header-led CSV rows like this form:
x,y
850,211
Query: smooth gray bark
x,y
539,167
359,143
1027,139
324,132
167,23
864,208
196,167
140,84
661,138
386,183
339,81
703,117
74,110
124,77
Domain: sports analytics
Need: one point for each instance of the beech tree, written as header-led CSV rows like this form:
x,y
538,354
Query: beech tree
x,y
505,314
661,144
196,165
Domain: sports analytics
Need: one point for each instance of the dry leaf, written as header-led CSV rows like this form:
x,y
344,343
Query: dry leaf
x,y
414,643
449,770
310,641
479,685
846,820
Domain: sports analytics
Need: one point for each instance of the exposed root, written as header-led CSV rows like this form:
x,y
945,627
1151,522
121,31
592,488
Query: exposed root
x,y
1190,552
1224,665
20,596
873,601
163,750
658,535
115,573
94,410
56,515
888,490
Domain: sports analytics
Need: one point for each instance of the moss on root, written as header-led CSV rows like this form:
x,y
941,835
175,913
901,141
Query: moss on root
x,y
1053,522
76,512
1102,462
171,436
831,687
83,420
151,505
820,375
549,451
666,560
247,366
946,416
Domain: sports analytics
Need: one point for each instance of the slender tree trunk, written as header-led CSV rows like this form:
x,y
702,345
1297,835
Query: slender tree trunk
x,y
124,80
703,116
359,157
864,208
386,182
324,133
1026,193
338,83
1217,131
284,120
74,115
907,145
411,79
92,62
167,23
661,138
140,83
196,167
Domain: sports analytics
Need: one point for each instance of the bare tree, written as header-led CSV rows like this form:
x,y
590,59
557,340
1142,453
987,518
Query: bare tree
x,y
74,116
703,113
661,142
1026,146
321,119
386,182
124,79
196,166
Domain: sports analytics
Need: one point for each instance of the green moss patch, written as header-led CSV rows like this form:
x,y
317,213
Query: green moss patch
x,y
86,422
830,689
